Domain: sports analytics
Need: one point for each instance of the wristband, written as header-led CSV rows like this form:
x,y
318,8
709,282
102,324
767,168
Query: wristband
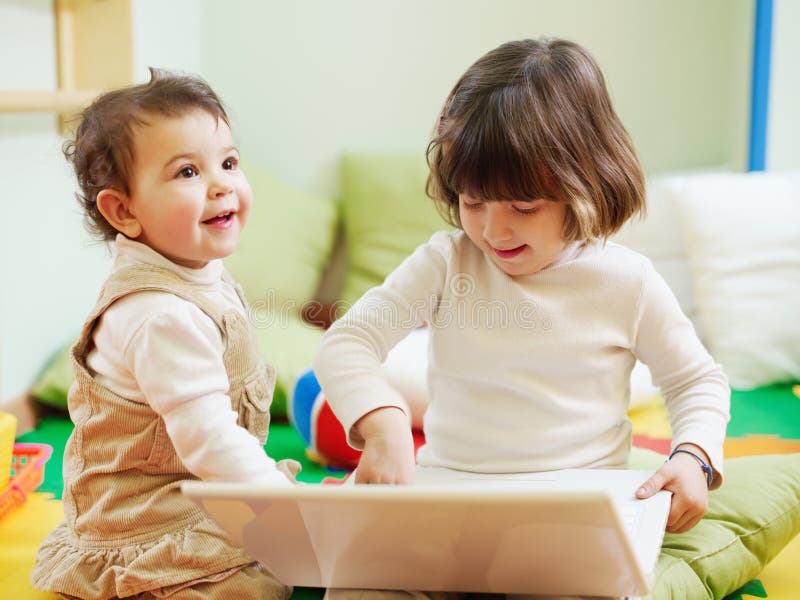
x,y
703,464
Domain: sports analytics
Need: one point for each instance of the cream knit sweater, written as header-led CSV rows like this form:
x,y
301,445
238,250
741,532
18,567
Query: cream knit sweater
x,y
529,373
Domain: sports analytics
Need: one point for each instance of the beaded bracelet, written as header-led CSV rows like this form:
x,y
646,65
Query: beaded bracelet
x,y
703,464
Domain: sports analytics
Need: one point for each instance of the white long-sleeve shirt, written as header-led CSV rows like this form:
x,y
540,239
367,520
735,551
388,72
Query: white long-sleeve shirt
x,y
529,373
159,349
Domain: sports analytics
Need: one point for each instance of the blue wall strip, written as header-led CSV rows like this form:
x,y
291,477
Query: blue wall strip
x,y
759,106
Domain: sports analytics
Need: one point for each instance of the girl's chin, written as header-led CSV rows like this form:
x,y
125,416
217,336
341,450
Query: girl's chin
x,y
518,270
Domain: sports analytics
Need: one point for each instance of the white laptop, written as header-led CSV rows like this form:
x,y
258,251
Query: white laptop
x,y
563,532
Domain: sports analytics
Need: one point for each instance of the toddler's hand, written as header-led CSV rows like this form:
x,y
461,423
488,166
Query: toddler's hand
x,y
388,455
682,476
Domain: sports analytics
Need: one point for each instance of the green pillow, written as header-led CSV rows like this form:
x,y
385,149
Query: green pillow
x,y
750,519
285,245
287,343
386,215
52,385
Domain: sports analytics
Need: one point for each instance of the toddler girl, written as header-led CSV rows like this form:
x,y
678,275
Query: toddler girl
x,y
169,383
536,319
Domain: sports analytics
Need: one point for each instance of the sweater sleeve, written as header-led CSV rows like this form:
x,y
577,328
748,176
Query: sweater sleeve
x,y
694,386
176,358
349,358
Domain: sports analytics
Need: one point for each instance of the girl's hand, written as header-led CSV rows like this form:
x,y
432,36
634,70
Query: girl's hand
x,y
682,476
388,455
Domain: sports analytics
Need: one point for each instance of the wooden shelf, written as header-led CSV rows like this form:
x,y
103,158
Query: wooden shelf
x,y
94,52
60,101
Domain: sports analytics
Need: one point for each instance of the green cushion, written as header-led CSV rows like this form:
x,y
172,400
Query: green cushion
x,y
386,215
288,343
53,383
285,245
750,519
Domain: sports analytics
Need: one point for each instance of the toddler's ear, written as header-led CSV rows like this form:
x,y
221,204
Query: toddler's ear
x,y
114,206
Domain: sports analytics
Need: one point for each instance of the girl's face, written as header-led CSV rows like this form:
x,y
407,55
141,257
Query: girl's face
x,y
187,192
521,237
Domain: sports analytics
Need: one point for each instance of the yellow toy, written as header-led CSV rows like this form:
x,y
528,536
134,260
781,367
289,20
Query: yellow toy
x,y
8,429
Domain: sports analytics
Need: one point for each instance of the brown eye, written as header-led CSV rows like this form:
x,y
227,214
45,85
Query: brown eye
x,y
187,172
229,164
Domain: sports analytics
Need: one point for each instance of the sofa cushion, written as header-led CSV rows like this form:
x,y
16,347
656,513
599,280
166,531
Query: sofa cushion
x,y
52,384
743,240
286,244
659,236
287,343
386,215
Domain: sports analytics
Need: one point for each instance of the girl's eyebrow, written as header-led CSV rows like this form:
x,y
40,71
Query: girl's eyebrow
x,y
181,156
193,155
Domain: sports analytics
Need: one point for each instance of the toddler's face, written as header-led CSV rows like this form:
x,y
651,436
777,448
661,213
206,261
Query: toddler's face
x,y
520,237
187,192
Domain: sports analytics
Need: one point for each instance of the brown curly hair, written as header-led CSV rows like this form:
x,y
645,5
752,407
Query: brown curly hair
x,y
102,151
532,119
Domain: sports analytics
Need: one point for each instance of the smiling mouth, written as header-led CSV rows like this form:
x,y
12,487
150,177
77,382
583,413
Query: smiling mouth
x,y
221,219
511,253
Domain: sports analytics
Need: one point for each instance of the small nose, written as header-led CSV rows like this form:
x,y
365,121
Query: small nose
x,y
220,187
495,225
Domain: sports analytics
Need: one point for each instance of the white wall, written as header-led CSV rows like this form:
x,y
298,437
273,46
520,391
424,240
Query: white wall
x,y
308,79
49,273
783,124
50,270
170,35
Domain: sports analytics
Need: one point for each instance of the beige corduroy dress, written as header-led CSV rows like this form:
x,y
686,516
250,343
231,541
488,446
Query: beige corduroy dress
x,y
127,527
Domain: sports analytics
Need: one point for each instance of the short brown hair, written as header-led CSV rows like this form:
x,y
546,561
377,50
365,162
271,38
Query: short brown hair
x,y
532,119
102,152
